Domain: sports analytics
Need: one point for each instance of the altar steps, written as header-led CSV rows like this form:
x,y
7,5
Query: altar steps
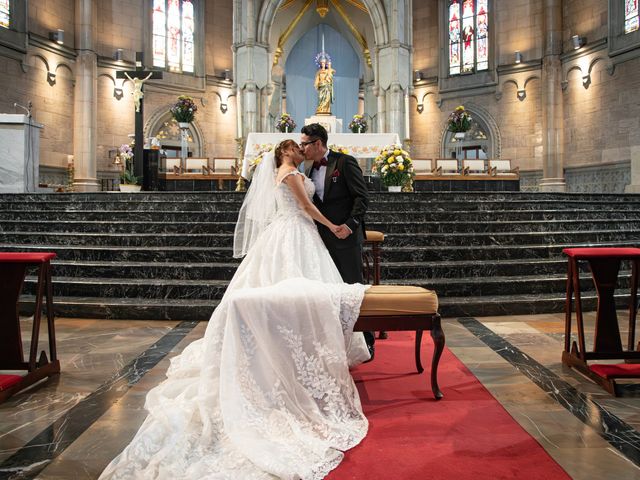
x,y
168,255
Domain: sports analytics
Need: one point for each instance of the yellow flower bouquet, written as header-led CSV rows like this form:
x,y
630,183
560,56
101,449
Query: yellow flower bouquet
x,y
394,166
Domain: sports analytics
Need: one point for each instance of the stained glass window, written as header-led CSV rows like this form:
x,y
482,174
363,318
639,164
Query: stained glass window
x,y
468,36
174,35
5,13
631,23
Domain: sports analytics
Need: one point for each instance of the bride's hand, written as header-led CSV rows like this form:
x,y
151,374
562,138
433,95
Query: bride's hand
x,y
335,229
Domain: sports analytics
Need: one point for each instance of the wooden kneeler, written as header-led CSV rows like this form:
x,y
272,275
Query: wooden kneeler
x,y
604,263
405,308
13,268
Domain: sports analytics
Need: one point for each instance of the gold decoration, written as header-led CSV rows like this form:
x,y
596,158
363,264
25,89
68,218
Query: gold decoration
x,y
322,7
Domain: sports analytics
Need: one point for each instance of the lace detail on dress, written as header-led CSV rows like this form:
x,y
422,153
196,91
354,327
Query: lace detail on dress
x,y
285,200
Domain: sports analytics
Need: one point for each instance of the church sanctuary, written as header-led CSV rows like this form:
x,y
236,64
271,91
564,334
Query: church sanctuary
x,y
477,163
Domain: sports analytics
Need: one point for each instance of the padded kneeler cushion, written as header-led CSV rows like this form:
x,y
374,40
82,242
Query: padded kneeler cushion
x,y
8,381
618,370
387,300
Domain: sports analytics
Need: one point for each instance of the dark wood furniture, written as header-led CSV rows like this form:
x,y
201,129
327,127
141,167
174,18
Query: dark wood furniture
x,y
405,308
371,261
604,264
13,267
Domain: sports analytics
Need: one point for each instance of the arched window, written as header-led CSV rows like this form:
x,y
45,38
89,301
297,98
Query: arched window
x,y
468,36
173,35
631,23
5,13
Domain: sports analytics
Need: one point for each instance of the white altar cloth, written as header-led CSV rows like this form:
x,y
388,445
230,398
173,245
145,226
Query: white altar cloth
x,y
359,145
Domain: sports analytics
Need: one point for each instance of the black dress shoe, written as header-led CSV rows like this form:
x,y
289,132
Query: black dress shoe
x,y
372,352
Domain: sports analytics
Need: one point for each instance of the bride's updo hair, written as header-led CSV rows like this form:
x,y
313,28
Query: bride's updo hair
x,y
281,149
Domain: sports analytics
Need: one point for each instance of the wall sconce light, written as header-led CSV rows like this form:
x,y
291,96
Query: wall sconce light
x,y
420,108
118,55
417,75
117,93
577,41
227,75
586,81
223,107
51,78
518,57
57,36
521,94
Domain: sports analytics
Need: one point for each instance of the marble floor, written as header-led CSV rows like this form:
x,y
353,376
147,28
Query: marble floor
x,y
72,425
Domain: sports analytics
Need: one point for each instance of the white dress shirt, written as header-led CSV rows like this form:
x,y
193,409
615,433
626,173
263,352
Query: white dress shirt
x,y
317,177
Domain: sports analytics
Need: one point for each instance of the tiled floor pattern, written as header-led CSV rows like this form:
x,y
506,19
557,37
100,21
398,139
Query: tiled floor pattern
x,y
517,358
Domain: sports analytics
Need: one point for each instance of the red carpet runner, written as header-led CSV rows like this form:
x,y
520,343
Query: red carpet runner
x,y
466,435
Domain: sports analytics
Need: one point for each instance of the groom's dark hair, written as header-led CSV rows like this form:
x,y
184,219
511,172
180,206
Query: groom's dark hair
x,y
317,131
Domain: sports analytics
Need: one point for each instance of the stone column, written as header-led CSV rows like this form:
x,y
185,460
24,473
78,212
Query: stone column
x,y
552,115
395,110
84,98
382,109
634,186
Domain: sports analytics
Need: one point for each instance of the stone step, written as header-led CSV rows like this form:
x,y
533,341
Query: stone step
x,y
401,226
374,216
203,289
190,309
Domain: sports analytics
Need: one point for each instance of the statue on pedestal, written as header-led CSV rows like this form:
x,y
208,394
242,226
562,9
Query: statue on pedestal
x,y
324,85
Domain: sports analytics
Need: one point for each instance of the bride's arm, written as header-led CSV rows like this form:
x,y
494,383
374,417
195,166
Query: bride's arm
x,y
296,184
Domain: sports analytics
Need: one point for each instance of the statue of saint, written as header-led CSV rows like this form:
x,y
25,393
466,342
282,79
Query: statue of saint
x,y
137,89
324,85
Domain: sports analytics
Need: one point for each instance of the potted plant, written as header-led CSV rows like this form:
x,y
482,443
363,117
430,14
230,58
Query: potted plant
x,y
285,124
184,111
459,122
128,181
358,124
394,166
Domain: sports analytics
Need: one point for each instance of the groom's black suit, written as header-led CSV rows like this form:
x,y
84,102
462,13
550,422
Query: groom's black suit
x,y
345,201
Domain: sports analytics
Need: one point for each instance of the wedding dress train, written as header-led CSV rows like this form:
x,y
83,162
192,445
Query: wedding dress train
x,y
266,393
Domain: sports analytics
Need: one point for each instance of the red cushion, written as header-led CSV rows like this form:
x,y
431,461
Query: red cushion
x,y
23,257
8,381
603,252
618,370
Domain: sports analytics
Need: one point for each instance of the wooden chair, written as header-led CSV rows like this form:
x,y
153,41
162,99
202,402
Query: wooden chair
x,y
422,166
604,264
473,167
13,266
446,166
405,308
225,165
170,165
371,261
197,165
502,168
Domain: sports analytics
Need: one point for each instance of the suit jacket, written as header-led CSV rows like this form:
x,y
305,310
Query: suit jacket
x,y
345,200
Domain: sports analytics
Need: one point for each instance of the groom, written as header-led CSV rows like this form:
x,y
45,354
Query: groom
x,y
341,196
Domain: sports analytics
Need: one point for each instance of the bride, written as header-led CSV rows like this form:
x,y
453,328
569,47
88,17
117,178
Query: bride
x,y
266,393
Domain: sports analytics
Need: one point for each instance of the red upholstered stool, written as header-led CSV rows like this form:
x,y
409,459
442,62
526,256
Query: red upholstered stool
x,y
604,264
13,267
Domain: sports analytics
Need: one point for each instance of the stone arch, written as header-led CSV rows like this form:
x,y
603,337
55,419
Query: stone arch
x,y
161,119
486,123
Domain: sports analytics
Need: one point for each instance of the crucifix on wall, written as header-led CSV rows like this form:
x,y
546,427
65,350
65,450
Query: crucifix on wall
x,y
138,76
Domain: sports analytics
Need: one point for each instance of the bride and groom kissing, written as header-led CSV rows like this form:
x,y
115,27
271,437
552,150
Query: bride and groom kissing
x,y
267,393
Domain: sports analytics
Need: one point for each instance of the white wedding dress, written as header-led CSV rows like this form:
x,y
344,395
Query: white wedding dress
x,y
267,392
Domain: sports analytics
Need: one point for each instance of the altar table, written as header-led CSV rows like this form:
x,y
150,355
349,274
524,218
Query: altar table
x,y
359,145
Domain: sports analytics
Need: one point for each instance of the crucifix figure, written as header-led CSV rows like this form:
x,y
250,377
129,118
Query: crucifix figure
x,y
138,76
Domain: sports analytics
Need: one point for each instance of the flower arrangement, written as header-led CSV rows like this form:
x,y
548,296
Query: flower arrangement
x,y
358,124
256,161
285,124
339,149
394,166
126,156
184,109
459,120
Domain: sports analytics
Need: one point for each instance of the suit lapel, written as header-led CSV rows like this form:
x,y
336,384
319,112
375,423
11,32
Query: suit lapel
x,y
332,162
